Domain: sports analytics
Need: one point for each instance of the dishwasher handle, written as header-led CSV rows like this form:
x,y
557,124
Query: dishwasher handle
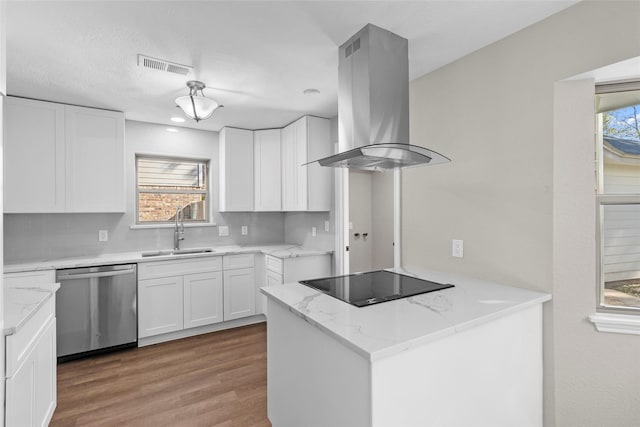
x,y
89,275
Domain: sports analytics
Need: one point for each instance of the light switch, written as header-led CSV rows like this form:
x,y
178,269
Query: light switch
x,y
245,230
457,248
223,230
103,235
314,231
326,226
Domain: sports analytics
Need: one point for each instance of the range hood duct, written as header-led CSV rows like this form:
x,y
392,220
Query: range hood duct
x,y
373,105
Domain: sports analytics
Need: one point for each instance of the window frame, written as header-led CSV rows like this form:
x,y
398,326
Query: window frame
x,y
604,199
207,192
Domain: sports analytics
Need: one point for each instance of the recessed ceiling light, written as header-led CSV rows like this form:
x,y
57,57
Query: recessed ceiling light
x,y
172,130
311,92
177,119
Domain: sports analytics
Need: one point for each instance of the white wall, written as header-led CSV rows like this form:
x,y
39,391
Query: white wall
x,y
382,220
492,113
371,212
297,229
40,236
360,217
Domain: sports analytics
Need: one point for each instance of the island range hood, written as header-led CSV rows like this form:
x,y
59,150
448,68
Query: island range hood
x,y
373,105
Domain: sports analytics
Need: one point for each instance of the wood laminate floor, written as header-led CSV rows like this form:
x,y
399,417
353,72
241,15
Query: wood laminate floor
x,y
216,379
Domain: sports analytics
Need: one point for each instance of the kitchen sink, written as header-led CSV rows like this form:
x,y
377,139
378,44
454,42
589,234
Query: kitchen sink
x,y
168,252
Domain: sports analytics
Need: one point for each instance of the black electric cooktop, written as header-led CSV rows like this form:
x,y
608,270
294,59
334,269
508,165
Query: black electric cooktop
x,y
373,287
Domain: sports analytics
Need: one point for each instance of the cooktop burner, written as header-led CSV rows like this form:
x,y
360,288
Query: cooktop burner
x,y
373,287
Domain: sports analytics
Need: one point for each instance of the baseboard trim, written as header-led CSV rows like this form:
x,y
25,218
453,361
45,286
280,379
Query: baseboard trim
x,y
157,339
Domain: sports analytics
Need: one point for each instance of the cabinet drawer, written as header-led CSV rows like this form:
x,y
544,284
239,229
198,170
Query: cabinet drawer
x,y
274,264
19,345
28,278
272,279
232,262
178,267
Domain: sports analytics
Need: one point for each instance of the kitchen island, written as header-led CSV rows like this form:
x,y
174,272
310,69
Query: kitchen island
x,y
470,355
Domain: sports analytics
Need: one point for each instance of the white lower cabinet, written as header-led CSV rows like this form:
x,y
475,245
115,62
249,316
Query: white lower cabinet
x,y
31,371
176,295
179,294
202,299
160,307
294,269
239,286
273,278
239,293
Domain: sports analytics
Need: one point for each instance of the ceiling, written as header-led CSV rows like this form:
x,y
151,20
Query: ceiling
x,y
256,58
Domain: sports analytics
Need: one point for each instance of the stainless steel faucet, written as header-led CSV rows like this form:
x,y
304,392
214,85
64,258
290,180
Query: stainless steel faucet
x,y
178,232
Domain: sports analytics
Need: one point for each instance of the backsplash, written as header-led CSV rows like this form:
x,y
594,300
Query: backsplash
x,y
44,236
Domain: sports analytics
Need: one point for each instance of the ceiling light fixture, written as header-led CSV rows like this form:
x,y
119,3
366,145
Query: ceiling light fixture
x,y
197,107
177,119
311,92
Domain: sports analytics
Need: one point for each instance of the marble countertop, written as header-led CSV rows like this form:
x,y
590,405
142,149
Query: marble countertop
x,y
20,304
388,328
280,251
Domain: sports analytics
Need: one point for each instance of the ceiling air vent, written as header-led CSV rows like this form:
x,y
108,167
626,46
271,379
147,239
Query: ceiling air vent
x,y
162,65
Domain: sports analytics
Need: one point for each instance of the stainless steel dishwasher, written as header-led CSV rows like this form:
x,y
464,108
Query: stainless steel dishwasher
x,y
96,310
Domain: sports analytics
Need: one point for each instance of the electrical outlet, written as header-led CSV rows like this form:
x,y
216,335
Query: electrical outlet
x,y
103,235
350,225
245,230
223,230
314,231
457,248
326,226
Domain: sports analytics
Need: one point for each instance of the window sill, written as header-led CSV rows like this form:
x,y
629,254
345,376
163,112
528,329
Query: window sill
x,y
187,225
616,323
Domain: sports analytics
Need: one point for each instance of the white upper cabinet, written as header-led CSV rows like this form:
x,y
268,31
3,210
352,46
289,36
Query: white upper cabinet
x,y
236,170
60,158
306,188
267,170
95,160
34,156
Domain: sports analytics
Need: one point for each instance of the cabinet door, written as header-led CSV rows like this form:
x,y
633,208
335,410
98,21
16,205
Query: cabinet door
x,y
236,170
34,156
289,175
294,175
273,278
267,170
45,376
20,397
319,183
94,160
160,306
202,299
239,293
31,390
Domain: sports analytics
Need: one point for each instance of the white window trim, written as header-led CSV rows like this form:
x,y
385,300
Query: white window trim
x,y
187,224
622,320
616,323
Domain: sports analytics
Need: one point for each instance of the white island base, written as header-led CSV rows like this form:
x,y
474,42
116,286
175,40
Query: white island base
x,y
487,374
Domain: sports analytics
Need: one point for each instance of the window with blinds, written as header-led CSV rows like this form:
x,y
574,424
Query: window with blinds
x,y
164,185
